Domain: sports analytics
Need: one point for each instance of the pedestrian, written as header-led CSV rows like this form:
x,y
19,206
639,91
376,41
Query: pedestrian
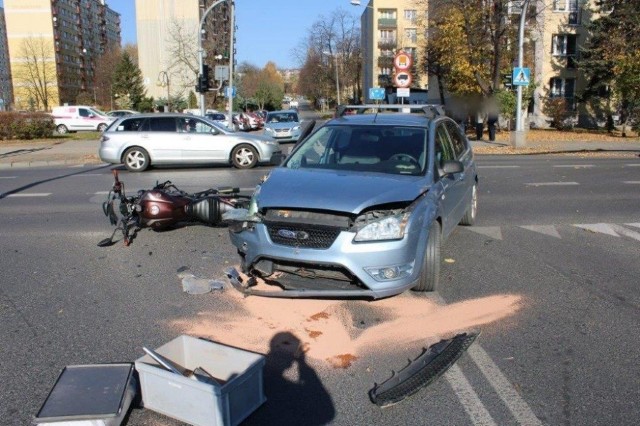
x,y
479,125
492,119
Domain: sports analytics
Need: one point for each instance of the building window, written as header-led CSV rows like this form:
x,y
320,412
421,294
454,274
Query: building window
x,y
387,14
514,7
565,5
388,35
411,15
564,44
562,88
411,35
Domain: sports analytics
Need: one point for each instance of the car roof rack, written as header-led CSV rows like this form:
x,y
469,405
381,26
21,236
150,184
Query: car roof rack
x,y
429,110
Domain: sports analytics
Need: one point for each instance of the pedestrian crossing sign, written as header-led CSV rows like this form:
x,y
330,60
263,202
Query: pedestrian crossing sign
x,y
520,76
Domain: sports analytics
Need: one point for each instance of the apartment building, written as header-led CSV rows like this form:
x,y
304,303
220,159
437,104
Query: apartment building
x,y
62,39
167,35
388,26
554,37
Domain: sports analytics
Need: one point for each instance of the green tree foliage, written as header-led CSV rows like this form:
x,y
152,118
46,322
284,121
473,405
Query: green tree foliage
x,y
611,58
261,87
127,81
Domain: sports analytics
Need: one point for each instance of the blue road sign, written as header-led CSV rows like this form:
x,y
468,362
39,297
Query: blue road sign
x,y
521,76
230,92
376,93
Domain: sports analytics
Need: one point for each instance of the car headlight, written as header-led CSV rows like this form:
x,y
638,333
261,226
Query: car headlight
x,y
268,130
387,228
296,128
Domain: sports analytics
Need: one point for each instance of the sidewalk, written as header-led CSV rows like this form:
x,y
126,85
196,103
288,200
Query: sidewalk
x,y
63,152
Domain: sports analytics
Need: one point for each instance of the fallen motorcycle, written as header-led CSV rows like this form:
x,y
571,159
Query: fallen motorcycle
x,y
165,206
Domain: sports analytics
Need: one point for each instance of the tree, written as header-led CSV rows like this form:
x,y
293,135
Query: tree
x,y
261,87
610,59
128,83
37,73
103,79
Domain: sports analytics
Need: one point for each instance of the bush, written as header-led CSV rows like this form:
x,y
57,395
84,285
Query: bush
x,y
15,125
559,113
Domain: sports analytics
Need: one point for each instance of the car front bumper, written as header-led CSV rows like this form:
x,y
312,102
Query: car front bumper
x,y
255,245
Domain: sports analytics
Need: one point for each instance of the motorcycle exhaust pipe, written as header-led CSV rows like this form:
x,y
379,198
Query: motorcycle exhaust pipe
x,y
208,210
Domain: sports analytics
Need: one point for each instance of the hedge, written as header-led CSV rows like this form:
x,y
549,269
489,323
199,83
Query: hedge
x,y
19,125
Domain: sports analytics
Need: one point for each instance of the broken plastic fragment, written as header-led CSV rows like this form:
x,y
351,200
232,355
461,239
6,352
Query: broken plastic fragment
x,y
193,285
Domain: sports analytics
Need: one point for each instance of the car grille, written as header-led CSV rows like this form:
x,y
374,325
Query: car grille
x,y
307,236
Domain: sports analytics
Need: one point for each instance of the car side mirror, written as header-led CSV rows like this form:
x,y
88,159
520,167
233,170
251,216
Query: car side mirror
x,y
452,167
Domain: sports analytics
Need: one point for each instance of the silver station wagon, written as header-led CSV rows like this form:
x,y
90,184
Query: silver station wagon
x,y
359,208
144,140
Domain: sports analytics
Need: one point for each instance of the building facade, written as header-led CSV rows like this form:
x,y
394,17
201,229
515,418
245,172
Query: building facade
x,y
388,26
167,35
554,36
53,47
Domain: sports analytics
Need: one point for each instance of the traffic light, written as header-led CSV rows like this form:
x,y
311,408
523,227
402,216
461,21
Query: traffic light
x,y
203,80
507,80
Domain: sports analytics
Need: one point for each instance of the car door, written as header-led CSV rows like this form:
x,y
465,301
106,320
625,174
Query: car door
x,y
84,120
452,186
201,142
463,154
158,137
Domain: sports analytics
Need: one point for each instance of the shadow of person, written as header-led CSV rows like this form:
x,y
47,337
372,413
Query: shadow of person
x,y
304,401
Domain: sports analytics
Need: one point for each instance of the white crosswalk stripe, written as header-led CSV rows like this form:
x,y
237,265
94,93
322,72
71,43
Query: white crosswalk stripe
x,y
489,231
543,229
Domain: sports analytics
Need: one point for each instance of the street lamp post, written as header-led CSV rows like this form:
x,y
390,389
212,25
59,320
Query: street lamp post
x,y
201,53
519,139
163,81
337,76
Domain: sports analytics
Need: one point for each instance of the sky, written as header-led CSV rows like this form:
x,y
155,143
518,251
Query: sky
x,y
268,30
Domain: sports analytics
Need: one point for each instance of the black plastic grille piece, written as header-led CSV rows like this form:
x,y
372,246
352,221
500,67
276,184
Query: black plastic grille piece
x,y
307,236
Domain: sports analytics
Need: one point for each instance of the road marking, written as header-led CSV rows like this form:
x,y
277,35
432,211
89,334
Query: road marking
x,y
490,231
575,166
626,232
88,174
498,167
602,228
637,225
8,177
35,194
552,184
543,229
516,404
631,182
632,165
100,193
468,397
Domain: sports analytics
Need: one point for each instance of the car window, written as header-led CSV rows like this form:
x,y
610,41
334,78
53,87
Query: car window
x,y
130,125
457,140
83,112
162,124
392,149
443,149
193,125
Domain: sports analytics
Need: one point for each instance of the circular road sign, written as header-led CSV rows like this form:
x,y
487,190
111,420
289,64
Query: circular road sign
x,y
402,61
403,79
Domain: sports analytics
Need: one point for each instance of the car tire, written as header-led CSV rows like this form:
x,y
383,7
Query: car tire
x,y
102,127
136,159
244,156
430,272
62,129
469,217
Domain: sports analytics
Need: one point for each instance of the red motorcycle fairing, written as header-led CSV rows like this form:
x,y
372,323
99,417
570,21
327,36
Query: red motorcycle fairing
x,y
160,209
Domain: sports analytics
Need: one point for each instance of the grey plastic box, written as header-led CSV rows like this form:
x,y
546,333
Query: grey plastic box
x,y
237,394
89,395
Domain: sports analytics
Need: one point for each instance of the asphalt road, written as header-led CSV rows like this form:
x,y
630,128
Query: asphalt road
x,y
548,274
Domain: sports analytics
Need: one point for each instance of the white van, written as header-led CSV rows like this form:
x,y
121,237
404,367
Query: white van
x,y
78,118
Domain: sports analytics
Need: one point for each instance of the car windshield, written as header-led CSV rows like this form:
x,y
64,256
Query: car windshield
x,y
282,117
390,149
97,112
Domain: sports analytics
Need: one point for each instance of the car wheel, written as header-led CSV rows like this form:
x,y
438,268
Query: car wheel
x,y
102,127
244,157
430,273
136,159
62,129
469,217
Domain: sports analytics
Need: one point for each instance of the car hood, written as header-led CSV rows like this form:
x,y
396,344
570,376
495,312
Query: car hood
x,y
342,191
288,125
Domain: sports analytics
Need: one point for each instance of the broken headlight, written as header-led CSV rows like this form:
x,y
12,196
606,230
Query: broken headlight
x,y
385,228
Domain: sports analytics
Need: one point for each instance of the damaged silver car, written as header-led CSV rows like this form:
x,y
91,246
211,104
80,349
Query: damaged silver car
x,y
360,208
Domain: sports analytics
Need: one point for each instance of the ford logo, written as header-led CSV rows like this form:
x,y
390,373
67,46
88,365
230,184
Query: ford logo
x,y
293,235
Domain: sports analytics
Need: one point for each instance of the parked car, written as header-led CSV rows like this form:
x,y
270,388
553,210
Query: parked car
x,y
144,140
219,117
283,125
121,112
255,121
360,208
79,117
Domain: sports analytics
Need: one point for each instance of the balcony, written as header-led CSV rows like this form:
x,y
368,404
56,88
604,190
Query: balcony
x,y
385,62
387,23
387,43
